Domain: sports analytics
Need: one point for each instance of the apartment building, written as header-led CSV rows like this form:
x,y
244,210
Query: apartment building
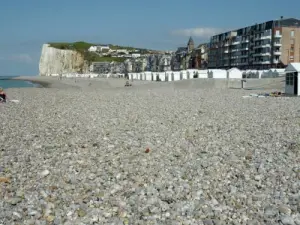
x,y
266,45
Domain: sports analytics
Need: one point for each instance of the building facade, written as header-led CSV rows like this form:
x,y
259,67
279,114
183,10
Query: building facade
x,y
272,44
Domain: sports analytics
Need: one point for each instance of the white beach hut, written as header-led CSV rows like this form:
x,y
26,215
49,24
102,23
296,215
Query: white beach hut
x,y
148,75
192,73
183,75
169,75
262,73
234,73
251,74
202,73
141,76
134,76
275,72
176,75
292,80
217,74
155,76
161,76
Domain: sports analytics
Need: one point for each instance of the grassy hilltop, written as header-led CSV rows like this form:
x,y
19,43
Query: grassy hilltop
x,y
82,47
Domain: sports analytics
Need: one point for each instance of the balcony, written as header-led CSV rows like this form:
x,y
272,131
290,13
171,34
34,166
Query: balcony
x,y
277,44
244,56
266,53
277,35
245,41
262,54
266,45
257,38
257,46
257,54
262,62
276,61
277,53
244,49
235,42
226,51
266,37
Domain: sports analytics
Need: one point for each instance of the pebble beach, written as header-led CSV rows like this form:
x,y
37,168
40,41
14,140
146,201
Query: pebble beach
x,y
96,152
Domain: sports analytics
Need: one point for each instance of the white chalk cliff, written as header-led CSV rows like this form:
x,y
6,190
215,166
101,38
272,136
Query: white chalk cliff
x,y
57,61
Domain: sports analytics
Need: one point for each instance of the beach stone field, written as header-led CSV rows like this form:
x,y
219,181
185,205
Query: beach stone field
x,y
149,154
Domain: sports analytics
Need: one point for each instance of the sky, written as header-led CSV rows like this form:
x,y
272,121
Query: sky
x,y
155,24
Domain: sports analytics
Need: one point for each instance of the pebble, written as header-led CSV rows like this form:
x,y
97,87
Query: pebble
x,y
14,201
270,211
284,210
79,157
287,220
45,173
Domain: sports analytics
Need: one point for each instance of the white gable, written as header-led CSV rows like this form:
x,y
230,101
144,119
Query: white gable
x,y
293,67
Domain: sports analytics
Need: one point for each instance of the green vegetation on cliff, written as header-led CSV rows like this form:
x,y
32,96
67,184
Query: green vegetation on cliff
x,y
82,48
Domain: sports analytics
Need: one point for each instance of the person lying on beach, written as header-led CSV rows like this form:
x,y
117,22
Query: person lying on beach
x,y
2,95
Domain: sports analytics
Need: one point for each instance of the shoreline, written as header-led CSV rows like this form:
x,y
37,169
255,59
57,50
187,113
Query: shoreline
x,y
46,82
39,83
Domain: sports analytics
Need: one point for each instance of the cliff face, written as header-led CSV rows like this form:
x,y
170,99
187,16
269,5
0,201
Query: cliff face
x,y
56,61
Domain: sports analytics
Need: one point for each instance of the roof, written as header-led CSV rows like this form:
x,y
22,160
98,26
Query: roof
x,y
191,40
234,69
295,67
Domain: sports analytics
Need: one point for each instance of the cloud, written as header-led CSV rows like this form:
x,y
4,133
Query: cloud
x,y
200,32
21,57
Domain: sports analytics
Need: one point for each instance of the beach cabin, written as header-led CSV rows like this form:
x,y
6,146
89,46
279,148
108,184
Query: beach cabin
x,y
263,73
148,75
192,73
292,82
141,76
234,73
176,75
251,74
169,75
130,76
202,73
276,73
217,73
183,75
161,76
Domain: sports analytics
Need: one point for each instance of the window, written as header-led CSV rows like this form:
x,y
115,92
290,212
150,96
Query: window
x,y
292,33
292,41
292,49
289,80
277,32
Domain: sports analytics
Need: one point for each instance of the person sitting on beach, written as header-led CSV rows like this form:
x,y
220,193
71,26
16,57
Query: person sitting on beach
x,y
2,95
